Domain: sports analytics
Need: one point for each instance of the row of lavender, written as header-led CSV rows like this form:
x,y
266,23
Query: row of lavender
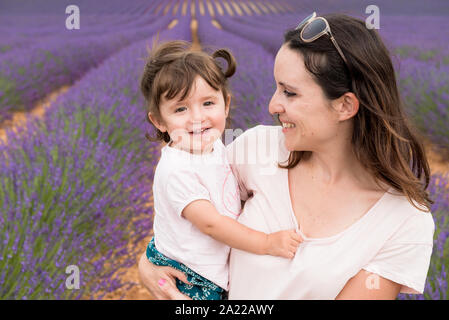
x,y
40,61
97,18
29,27
73,184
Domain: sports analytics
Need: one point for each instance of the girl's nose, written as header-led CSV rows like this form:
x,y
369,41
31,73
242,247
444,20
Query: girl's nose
x,y
197,115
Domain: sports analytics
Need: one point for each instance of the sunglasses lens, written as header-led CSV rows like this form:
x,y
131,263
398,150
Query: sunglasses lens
x,y
303,22
313,28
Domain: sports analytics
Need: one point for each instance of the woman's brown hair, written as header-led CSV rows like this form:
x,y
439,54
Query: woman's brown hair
x,y
171,69
383,139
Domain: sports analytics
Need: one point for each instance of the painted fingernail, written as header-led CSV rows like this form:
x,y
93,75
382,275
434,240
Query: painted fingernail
x,y
161,282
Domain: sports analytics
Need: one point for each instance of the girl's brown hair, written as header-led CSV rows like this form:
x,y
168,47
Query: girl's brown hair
x,y
383,140
171,69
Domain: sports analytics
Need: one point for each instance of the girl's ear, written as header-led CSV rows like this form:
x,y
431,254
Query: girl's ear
x,y
228,104
156,122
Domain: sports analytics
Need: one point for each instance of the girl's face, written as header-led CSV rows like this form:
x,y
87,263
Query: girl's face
x,y
195,122
308,120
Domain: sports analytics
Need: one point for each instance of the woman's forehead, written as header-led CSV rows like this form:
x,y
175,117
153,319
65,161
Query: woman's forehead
x,y
289,63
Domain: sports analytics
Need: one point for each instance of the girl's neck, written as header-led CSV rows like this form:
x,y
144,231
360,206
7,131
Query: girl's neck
x,y
207,150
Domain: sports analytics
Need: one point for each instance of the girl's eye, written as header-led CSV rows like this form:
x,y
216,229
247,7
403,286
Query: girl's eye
x,y
289,94
208,103
180,109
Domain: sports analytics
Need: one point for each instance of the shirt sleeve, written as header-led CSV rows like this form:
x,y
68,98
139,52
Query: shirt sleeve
x,y
405,257
184,187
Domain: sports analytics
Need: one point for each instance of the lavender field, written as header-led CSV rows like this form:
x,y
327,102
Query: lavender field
x,y
75,183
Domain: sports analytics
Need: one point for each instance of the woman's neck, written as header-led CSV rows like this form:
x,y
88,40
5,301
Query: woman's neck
x,y
337,166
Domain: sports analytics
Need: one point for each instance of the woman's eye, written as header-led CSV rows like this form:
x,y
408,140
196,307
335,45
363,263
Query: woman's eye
x,y
180,109
289,94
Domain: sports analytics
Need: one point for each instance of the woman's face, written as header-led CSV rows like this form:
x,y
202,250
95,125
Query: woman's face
x,y
308,119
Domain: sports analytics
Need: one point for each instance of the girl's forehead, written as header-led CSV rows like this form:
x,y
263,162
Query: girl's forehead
x,y
200,88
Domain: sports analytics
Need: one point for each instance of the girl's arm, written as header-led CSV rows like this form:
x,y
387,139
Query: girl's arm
x,y
208,220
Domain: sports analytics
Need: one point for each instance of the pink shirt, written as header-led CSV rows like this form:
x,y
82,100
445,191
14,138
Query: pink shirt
x,y
393,239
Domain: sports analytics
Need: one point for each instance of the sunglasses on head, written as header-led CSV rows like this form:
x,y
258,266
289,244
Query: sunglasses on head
x,y
314,27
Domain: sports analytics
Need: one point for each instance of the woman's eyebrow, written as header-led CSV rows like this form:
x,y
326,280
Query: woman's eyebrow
x,y
288,86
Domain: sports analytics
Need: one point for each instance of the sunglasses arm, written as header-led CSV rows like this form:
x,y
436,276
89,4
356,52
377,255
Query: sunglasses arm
x,y
338,48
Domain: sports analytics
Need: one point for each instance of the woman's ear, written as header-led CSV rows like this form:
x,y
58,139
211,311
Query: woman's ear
x,y
346,106
228,104
156,122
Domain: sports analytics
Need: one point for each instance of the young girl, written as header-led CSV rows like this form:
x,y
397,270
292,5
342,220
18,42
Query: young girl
x,y
196,197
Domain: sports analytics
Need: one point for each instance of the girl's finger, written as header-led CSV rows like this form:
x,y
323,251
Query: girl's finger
x,y
296,237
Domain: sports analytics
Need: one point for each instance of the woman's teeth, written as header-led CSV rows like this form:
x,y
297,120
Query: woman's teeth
x,y
287,125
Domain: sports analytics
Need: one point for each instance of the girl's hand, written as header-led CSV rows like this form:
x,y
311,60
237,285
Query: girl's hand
x,y
160,281
283,243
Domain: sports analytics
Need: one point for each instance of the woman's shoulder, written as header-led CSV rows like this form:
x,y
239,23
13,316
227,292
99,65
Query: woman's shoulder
x,y
415,223
254,131
261,144
259,135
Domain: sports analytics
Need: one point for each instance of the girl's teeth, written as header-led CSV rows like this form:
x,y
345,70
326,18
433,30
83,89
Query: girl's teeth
x,y
199,131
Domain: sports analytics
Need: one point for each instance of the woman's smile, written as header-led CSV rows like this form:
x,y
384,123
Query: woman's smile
x,y
287,126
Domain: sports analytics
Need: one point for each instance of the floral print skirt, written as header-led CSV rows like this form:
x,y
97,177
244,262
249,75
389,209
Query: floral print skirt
x,y
201,288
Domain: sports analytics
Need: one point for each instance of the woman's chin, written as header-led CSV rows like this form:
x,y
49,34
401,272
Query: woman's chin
x,y
292,146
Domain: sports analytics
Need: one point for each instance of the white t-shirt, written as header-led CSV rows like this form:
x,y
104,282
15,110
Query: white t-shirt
x,y
180,178
393,239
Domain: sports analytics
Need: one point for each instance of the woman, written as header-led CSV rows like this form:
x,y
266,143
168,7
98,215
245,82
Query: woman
x,y
346,171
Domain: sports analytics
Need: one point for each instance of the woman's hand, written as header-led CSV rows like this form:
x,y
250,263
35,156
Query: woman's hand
x,y
160,281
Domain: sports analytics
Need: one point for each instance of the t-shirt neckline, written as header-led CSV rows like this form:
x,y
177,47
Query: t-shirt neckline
x,y
370,211
184,153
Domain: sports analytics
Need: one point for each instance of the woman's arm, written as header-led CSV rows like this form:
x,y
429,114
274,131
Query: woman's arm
x,y
369,286
208,220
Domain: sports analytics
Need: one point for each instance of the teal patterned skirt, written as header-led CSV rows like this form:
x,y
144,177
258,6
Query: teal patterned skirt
x,y
201,288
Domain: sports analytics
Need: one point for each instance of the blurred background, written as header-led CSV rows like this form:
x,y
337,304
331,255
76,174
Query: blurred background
x,y
75,168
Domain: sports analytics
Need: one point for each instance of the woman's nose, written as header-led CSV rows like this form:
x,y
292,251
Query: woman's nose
x,y
275,106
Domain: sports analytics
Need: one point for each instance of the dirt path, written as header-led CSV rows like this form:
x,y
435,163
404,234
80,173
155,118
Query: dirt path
x,y
436,162
20,117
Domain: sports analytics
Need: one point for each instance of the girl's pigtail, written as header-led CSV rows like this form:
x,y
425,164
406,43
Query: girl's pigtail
x,y
226,55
